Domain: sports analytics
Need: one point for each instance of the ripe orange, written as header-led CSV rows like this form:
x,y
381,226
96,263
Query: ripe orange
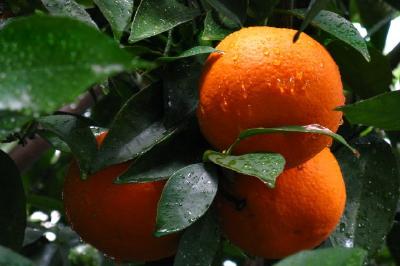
x,y
263,79
299,213
119,220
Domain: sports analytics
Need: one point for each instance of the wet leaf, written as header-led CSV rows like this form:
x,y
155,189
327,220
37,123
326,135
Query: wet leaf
x,y
380,111
12,206
40,53
372,185
338,27
187,195
11,258
54,140
117,13
77,134
366,79
11,122
68,8
265,166
200,242
213,31
233,10
197,50
156,16
326,257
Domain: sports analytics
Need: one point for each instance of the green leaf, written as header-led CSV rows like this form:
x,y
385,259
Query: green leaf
x,y
380,111
11,122
313,9
338,27
326,257
313,128
12,204
77,134
185,146
372,187
199,243
365,79
262,9
68,8
46,62
197,50
187,195
233,10
213,31
54,140
136,128
117,13
265,166
181,93
156,16
11,258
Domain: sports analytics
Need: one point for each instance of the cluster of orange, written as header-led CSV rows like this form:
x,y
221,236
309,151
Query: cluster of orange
x,y
260,79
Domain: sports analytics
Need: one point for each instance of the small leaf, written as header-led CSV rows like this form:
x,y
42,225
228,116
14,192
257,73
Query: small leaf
x,y
338,27
11,258
68,8
233,10
186,197
117,13
12,205
197,50
77,134
199,243
54,140
41,53
313,128
380,111
372,188
313,9
326,257
265,166
156,16
137,127
213,31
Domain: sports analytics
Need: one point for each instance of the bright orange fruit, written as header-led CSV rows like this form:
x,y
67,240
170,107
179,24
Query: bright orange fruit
x,y
263,79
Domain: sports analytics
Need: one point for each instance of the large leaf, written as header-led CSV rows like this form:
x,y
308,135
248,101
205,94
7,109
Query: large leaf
x,y
233,10
338,27
12,204
379,111
366,79
118,14
326,257
136,128
156,16
46,62
199,243
10,258
314,7
186,197
68,8
77,134
212,29
265,166
372,185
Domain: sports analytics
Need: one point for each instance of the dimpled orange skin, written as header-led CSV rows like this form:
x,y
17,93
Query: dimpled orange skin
x,y
299,213
119,220
263,79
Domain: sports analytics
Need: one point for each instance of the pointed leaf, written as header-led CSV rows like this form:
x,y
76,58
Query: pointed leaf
x,y
186,197
11,258
213,31
372,185
41,53
12,205
199,243
156,16
68,8
379,111
338,27
197,50
234,10
326,257
265,166
117,13
77,134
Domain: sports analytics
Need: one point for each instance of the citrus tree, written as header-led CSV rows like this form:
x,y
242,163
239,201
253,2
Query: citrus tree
x,y
199,132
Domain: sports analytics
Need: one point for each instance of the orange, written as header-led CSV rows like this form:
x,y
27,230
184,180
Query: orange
x,y
262,79
118,219
299,213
